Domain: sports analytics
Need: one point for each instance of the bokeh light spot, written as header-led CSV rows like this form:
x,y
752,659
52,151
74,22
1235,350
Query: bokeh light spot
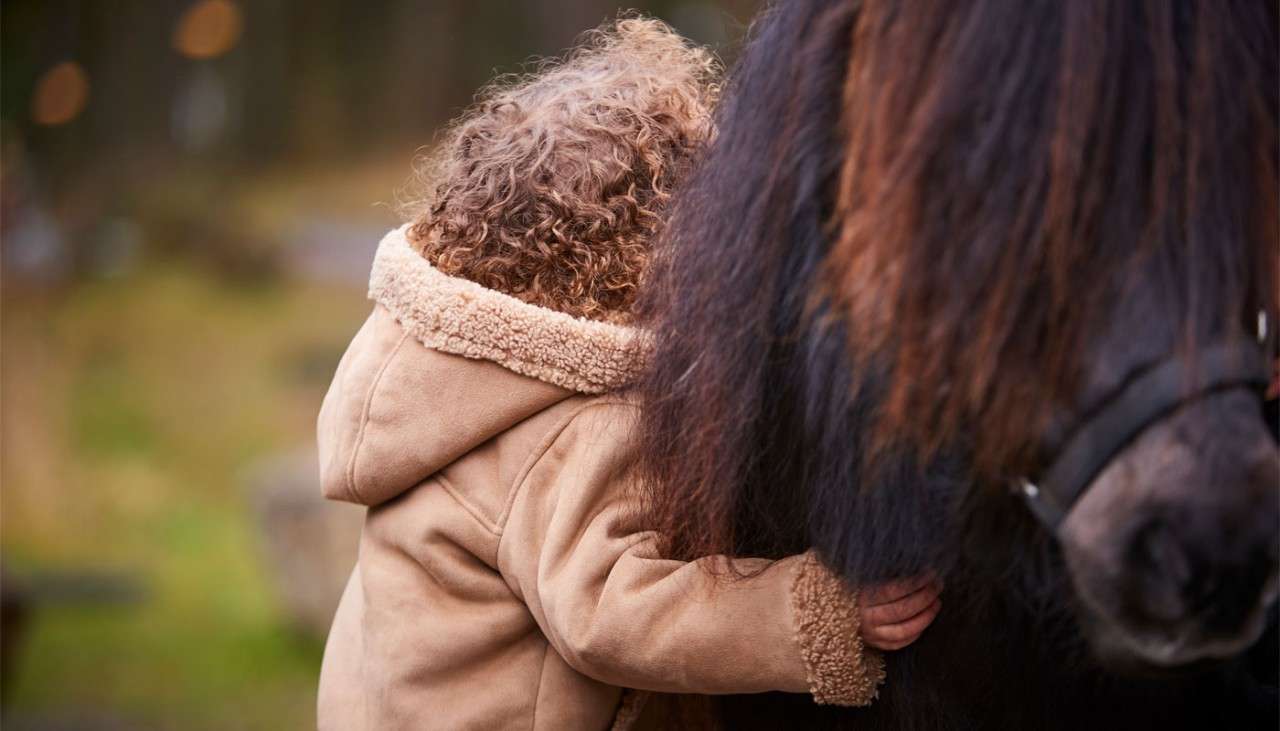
x,y
61,94
208,29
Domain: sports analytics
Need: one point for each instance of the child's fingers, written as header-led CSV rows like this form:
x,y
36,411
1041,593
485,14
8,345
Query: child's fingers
x,y
892,591
903,635
901,610
902,630
897,636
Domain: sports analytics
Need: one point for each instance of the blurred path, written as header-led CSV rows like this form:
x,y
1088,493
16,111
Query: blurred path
x,y
333,250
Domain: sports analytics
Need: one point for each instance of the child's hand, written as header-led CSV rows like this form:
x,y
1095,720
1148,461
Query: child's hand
x,y
896,612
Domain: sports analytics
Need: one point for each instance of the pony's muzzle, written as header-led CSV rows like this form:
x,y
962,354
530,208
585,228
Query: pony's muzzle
x,y
1175,552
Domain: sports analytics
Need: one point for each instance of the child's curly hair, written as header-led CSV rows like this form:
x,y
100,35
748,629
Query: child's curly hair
x,y
553,185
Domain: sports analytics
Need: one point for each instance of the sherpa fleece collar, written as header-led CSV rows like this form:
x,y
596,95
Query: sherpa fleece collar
x,y
461,317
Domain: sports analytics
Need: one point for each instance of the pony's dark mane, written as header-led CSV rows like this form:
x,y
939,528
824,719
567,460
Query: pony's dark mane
x,y
1012,167
731,355
988,189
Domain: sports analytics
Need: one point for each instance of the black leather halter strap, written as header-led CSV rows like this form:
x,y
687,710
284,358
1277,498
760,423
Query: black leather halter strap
x,y
1143,402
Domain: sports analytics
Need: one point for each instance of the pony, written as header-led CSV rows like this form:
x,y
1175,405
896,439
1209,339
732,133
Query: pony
x,y
931,243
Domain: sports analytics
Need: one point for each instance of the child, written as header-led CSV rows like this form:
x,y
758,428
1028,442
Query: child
x,y
504,578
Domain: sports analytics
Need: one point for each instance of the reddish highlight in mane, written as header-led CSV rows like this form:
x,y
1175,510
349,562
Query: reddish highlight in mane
x,y
991,207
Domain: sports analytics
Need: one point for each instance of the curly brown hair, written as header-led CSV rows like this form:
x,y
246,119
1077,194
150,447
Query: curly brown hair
x,y
553,185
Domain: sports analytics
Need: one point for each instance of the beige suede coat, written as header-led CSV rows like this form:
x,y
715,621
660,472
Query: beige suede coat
x,y
504,579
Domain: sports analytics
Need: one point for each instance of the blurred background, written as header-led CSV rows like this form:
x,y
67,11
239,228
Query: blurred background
x,y
191,193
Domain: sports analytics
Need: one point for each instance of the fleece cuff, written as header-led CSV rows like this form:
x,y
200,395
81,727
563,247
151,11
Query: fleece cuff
x,y
841,671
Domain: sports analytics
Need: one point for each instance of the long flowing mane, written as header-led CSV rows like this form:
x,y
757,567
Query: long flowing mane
x,y
855,284
1010,169
720,381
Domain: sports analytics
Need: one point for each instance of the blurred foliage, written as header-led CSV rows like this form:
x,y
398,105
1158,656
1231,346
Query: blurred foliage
x,y
131,405
312,79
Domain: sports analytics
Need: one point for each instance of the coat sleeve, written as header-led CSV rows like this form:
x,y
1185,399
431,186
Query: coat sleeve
x,y
573,550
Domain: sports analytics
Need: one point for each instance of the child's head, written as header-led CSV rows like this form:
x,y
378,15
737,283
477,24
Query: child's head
x,y
552,187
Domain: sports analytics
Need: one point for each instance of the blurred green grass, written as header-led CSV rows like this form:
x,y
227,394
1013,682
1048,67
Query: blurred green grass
x,y
131,407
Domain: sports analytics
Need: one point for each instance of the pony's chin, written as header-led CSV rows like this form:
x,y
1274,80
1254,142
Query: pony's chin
x,y
1160,656
1172,650
1130,642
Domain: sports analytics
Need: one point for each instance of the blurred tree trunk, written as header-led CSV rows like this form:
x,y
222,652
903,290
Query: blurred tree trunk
x,y
419,80
265,75
556,24
129,91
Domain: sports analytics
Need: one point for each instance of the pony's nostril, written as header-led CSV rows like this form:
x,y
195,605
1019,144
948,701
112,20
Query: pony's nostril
x,y
1165,555
1176,582
1168,575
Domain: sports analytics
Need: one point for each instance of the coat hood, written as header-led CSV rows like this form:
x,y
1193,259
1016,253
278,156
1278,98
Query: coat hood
x,y
444,365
